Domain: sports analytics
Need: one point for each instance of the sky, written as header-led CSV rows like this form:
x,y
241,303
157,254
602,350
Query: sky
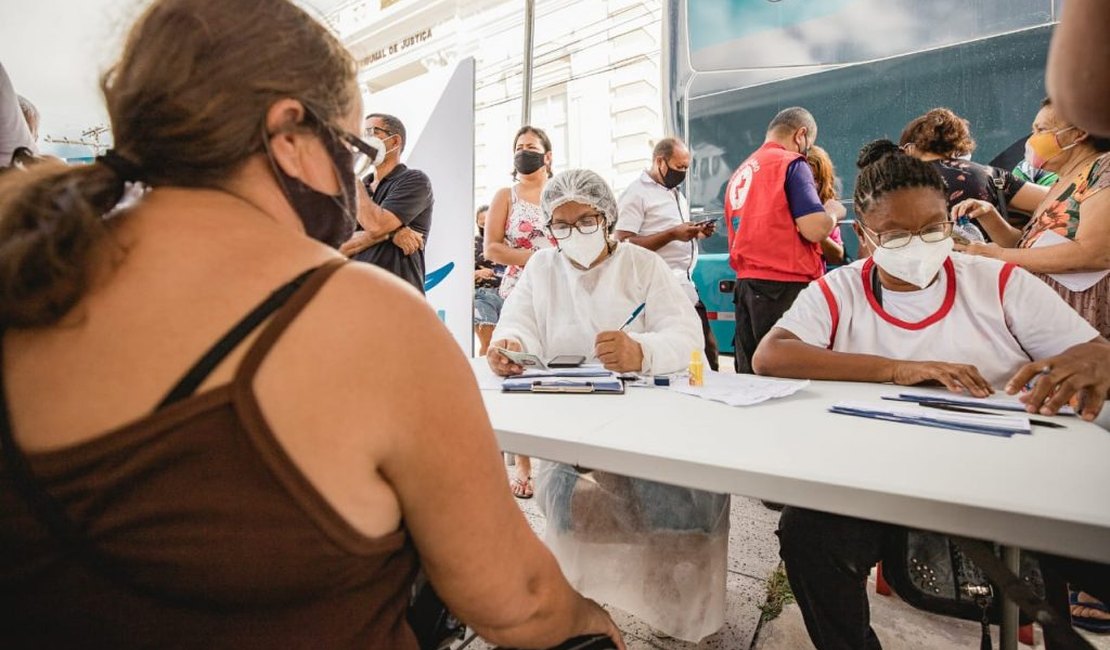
x,y
55,51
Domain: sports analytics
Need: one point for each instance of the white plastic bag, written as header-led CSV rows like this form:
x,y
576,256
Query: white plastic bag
x,y
657,551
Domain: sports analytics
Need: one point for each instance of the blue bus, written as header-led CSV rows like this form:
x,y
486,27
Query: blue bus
x,y
864,68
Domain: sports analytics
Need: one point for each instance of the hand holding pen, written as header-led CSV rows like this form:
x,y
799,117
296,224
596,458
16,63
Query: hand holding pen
x,y
618,351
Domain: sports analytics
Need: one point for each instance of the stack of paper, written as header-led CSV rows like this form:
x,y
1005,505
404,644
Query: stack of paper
x,y
740,390
996,425
546,382
995,403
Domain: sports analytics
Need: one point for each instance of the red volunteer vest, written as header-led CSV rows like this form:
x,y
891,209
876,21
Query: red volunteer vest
x,y
766,245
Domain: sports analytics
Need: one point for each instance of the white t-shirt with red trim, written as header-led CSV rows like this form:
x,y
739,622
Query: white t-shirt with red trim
x,y
980,311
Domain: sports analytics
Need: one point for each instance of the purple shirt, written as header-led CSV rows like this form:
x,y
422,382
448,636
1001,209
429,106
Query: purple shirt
x,y
801,189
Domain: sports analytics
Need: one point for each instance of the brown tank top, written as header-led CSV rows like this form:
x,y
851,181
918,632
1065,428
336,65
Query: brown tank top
x,y
224,543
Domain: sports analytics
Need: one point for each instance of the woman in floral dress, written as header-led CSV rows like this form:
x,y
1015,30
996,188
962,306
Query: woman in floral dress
x,y
515,231
1077,210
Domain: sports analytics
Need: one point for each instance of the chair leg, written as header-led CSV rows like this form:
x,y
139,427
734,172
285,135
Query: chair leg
x,y
881,587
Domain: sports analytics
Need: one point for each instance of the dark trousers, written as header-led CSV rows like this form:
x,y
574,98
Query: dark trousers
x,y
759,305
711,351
828,558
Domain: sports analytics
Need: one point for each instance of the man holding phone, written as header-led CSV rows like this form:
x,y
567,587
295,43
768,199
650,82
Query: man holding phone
x,y
653,214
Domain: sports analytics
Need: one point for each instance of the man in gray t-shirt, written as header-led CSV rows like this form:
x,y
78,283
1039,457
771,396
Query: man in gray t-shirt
x,y
14,132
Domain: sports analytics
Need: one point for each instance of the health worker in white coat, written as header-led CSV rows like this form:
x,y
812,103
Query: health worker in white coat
x,y
657,551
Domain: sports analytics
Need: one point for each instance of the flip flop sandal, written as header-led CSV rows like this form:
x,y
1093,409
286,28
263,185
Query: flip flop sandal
x,y
521,489
1073,598
1090,623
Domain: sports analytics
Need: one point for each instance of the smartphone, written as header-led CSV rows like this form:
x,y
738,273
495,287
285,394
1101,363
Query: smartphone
x,y
566,361
525,360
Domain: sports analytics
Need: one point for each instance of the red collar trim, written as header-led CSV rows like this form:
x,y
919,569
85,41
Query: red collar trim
x,y
945,307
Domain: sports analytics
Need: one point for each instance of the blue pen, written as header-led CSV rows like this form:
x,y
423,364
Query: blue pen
x,y
636,312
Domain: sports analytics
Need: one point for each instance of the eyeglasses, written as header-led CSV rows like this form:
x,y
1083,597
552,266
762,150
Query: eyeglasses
x,y
932,233
587,225
363,154
371,129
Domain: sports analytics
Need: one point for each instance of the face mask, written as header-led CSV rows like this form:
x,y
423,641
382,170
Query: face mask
x,y
527,162
672,178
583,249
804,147
379,146
1044,146
326,218
918,262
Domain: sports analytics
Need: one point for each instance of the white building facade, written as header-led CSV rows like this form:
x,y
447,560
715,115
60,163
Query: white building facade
x,y
596,79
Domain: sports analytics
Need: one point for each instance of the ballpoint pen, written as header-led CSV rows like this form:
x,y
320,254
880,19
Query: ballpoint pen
x,y
636,312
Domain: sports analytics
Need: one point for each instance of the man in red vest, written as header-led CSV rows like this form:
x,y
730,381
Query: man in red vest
x,y
775,225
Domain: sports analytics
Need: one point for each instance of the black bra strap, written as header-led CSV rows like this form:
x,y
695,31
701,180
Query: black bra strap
x,y
218,352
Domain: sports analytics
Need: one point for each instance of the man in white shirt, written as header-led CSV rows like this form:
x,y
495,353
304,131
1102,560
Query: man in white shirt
x,y
653,214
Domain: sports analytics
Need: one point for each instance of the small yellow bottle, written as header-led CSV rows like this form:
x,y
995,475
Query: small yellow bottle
x,y
697,369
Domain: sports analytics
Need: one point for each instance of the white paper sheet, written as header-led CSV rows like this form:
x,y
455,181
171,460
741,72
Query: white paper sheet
x,y
739,390
1073,281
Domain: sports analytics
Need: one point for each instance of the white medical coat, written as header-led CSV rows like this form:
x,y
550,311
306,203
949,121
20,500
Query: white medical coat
x,y
557,308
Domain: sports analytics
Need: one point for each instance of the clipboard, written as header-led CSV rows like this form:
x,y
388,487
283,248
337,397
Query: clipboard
x,y
593,385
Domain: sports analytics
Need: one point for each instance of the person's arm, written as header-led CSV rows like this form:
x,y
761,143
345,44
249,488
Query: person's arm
x,y
832,251
672,327
420,451
14,132
814,223
1080,90
1028,197
497,220
408,198
377,222
1090,251
781,354
683,232
521,314
987,216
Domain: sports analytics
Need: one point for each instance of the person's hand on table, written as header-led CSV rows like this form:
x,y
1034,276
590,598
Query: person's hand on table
x,y
499,363
1081,373
618,352
358,242
408,240
957,377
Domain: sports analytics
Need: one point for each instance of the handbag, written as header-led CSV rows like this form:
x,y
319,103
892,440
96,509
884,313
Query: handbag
x,y
961,578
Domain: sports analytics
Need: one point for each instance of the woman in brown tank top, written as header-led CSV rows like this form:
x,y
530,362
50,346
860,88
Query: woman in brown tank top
x,y
195,459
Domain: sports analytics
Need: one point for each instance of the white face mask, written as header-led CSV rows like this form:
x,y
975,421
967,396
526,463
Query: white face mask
x,y
918,262
583,249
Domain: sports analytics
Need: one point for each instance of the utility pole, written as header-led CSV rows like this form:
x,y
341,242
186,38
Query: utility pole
x,y
526,90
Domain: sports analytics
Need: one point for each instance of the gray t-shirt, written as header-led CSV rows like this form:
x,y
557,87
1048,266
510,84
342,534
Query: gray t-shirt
x,y
14,132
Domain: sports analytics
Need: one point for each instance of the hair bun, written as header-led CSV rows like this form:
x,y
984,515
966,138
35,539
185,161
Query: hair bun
x,y
875,151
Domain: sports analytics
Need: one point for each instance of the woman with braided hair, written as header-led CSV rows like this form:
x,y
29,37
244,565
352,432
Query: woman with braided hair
x,y
914,312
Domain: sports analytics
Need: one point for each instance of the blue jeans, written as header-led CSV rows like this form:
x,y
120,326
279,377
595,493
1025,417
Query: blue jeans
x,y
487,306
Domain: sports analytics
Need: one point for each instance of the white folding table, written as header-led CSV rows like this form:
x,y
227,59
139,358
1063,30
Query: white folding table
x,y
1046,491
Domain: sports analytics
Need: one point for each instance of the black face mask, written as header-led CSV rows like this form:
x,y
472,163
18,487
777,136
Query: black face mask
x,y
527,162
327,218
672,178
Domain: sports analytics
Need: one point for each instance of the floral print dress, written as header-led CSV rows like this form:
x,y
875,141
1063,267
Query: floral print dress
x,y
1062,217
524,230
